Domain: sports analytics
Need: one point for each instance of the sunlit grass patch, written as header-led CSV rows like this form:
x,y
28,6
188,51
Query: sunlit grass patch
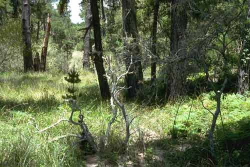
x,y
31,102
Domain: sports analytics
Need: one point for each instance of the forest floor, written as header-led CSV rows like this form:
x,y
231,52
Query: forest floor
x,y
162,134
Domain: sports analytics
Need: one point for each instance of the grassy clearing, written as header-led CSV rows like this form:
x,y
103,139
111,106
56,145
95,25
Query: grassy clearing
x,y
29,102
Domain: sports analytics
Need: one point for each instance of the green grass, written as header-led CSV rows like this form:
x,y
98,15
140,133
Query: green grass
x,y
29,102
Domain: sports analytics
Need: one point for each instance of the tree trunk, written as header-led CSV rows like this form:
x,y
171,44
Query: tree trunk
x,y
44,23
244,66
45,45
216,114
154,40
103,12
38,31
132,51
177,73
103,19
87,40
37,62
98,60
27,52
15,5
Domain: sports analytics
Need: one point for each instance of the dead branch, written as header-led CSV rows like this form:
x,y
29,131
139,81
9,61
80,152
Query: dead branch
x,y
53,125
83,126
86,30
115,103
206,108
85,131
64,136
215,116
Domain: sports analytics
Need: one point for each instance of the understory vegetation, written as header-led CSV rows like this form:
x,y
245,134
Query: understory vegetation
x,y
125,83
162,134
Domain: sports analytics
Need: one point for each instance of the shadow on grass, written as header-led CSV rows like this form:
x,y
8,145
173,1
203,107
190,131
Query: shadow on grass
x,y
179,152
232,145
234,138
89,95
157,94
31,105
18,79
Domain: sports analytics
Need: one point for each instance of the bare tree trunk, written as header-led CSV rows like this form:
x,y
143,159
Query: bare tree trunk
x,y
98,60
27,52
154,40
132,51
177,72
45,45
215,117
244,66
87,40
116,105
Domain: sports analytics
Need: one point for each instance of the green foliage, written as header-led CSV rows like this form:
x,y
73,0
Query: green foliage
x,y
216,30
5,7
30,101
73,78
10,33
62,6
235,138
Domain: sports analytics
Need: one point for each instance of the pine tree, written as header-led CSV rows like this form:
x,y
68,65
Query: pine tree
x,y
72,78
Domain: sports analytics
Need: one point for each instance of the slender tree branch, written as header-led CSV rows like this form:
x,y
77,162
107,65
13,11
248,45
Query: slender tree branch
x,y
53,125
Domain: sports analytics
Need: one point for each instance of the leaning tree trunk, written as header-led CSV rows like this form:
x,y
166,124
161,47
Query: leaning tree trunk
x,y
244,66
87,38
98,60
154,40
177,72
27,52
132,51
45,45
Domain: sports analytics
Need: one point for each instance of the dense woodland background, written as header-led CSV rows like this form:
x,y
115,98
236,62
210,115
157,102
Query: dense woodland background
x,y
138,83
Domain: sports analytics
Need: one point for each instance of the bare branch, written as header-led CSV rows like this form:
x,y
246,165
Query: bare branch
x,y
64,136
53,125
206,108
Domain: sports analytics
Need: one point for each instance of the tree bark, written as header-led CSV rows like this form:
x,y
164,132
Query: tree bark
x,y
103,12
132,52
154,40
103,18
215,117
87,40
38,31
177,73
27,52
15,5
44,23
244,65
37,62
45,45
98,60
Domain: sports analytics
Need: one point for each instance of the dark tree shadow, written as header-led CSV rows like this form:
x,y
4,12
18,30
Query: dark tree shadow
x,y
232,147
41,105
234,139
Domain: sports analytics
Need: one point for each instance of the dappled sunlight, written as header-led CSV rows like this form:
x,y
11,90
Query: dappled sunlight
x,y
147,83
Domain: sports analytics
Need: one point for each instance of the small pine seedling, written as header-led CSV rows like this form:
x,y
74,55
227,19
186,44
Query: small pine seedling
x,y
72,78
